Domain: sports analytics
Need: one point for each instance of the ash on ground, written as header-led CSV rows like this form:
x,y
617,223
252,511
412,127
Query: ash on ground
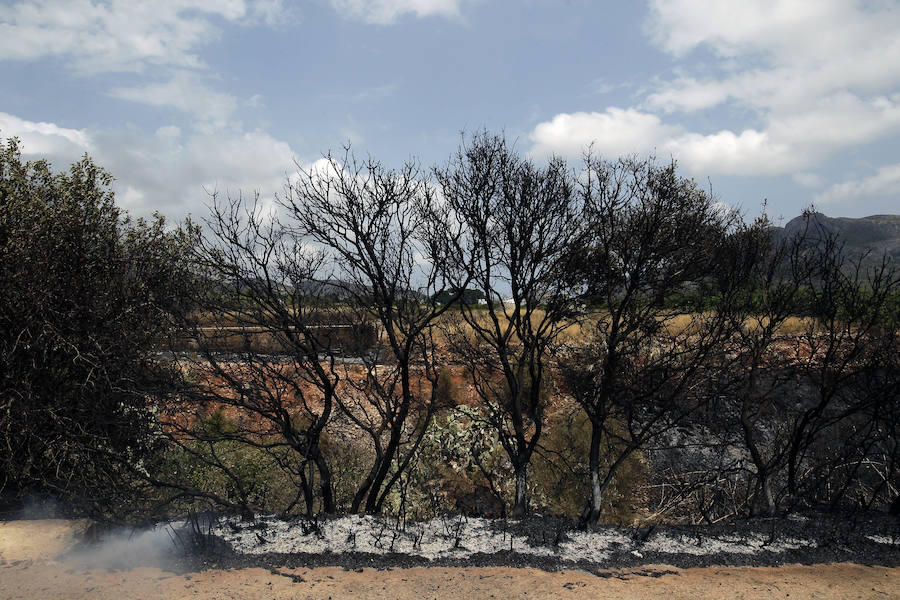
x,y
550,543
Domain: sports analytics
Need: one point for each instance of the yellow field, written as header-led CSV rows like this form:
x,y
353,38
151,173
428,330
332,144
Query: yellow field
x,y
225,334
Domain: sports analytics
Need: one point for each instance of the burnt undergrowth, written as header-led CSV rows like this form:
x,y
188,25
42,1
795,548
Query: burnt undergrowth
x,y
866,538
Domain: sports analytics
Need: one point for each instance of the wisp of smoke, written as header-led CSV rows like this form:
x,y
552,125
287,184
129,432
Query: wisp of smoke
x,y
126,548
37,507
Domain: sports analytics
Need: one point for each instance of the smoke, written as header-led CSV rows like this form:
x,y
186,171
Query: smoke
x,y
126,548
81,544
165,545
35,507
41,528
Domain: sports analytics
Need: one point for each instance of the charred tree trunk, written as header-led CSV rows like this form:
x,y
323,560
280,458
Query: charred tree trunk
x,y
520,502
595,504
325,484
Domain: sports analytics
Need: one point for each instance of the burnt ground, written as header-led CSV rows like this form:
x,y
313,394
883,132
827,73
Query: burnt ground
x,y
871,539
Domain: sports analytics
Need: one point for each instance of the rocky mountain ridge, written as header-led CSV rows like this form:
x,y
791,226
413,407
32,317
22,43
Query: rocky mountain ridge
x,y
877,234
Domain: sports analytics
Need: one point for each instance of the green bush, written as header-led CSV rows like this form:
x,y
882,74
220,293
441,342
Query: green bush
x,y
255,478
560,479
459,452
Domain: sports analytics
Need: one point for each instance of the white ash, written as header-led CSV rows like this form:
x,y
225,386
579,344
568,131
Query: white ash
x,y
883,539
458,537
701,546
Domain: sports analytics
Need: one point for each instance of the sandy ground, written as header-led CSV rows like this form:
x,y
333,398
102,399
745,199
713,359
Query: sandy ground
x,y
34,564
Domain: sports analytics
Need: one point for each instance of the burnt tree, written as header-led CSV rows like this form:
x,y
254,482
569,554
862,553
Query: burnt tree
x,y
654,359
268,342
520,222
380,243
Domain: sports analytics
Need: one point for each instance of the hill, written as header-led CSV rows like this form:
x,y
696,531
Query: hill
x,y
877,233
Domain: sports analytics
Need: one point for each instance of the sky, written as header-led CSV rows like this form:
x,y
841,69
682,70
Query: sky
x,y
792,103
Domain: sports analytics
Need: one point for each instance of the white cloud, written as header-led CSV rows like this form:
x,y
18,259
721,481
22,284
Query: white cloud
x,y
121,35
787,143
131,199
687,94
808,180
885,182
46,140
211,110
272,12
169,170
158,40
750,152
801,80
612,132
194,165
788,55
386,12
617,132
791,32
840,120
790,142
245,161
255,101
172,169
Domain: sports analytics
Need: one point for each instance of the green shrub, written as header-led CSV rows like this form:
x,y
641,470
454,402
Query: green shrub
x,y
560,479
239,473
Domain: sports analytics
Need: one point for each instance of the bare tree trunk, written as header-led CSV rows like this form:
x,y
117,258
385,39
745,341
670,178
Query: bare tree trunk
x,y
763,472
768,494
309,497
595,504
366,486
372,504
325,484
520,225
520,505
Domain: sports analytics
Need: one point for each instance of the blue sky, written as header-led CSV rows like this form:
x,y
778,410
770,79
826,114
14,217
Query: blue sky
x,y
795,102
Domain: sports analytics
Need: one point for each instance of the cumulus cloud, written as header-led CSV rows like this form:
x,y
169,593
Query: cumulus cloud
x,y
186,92
169,170
808,180
120,35
803,80
733,29
749,152
386,12
172,169
884,182
799,53
611,132
687,94
158,41
791,142
271,12
45,140
617,131
98,36
795,32
195,165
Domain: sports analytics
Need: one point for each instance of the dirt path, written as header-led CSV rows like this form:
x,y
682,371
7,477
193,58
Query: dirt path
x,y
31,567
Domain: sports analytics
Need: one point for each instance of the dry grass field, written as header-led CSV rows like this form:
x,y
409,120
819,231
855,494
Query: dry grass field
x,y
225,334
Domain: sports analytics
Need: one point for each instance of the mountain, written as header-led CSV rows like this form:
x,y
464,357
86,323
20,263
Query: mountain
x,y
878,233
